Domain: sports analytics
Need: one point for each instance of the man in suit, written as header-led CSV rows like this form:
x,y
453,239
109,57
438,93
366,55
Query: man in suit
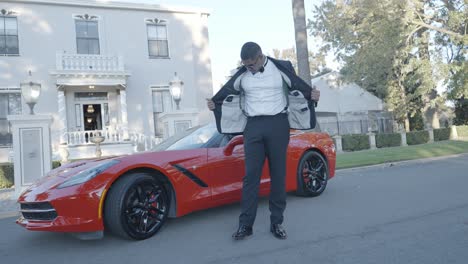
x,y
263,100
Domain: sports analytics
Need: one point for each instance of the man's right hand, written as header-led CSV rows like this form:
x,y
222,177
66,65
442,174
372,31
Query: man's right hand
x,y
210,104
315,94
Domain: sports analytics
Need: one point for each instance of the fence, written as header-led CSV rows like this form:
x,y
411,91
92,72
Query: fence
x,y
362,126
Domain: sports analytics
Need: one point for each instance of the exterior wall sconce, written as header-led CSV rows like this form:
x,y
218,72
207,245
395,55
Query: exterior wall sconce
x,y
176,89
31,91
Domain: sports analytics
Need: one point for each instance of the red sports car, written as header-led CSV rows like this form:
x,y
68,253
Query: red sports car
x,y
133,195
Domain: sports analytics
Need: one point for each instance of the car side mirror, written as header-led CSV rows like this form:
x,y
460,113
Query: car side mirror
x,y
229,148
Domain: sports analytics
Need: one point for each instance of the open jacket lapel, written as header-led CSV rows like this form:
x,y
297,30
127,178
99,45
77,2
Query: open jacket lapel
x,y
229,114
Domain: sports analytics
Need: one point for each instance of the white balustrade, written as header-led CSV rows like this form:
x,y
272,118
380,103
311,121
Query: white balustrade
x,y
86,62
143,142
83,137
140,141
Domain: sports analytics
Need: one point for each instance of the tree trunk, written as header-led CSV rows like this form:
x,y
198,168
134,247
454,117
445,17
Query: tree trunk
x,y
431,117
302,51
300,30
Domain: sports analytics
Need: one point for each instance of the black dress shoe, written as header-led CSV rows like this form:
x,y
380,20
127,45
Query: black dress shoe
x,y
278,231
242,232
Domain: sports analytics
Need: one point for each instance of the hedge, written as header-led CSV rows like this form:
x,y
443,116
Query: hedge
x,y
388,140
441,134
417,137
462,131
355,142
7,176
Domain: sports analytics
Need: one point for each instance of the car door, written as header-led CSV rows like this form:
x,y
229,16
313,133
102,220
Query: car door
x,y
227,170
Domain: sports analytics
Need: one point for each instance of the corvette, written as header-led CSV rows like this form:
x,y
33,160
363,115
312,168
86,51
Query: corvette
x,y
133,195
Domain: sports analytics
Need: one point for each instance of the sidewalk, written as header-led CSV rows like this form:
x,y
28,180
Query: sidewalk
x,y
8,205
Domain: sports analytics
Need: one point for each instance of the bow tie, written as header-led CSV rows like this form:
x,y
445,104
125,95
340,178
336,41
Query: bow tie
x,y
262,69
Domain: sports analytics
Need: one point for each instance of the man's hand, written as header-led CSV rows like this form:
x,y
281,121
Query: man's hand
x,y
315,94
210,104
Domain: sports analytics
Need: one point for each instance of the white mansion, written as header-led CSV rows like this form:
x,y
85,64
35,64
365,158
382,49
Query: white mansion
x,y
104,67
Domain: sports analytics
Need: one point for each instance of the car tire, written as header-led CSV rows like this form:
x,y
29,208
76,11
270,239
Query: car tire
x,y
136,206
312,174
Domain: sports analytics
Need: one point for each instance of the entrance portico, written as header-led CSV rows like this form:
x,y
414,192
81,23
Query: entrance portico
x,y
89,88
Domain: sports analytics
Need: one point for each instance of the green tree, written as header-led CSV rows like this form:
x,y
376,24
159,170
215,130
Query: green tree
x,y
317,64
461,112
388,49
454,66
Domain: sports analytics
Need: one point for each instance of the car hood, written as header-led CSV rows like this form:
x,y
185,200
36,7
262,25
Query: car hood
x,y
64,172
70,169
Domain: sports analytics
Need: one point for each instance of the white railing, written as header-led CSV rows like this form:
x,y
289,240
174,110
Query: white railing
x,y
83,137
140,141
85,62
143,142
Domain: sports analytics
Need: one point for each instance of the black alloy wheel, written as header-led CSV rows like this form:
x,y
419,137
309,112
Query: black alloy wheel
x,y
312,174
136,207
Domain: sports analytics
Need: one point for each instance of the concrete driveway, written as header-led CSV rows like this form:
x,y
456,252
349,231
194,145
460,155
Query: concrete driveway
x,y
411,212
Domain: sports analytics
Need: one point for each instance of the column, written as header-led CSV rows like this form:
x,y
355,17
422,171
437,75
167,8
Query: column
x,y
338,144
123,111
62,112
372,140
403,138
453,133
31,147
431,135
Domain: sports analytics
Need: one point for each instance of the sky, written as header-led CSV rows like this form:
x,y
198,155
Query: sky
x,y
232,23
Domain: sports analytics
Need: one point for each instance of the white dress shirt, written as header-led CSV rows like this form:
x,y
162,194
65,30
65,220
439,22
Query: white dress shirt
x,y
264,93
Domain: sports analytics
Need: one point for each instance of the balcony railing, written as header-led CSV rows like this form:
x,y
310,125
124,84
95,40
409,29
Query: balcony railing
x,y
87,63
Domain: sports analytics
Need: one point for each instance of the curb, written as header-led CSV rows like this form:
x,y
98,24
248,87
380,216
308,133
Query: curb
x,y
12,189
402,162
9,214
7,201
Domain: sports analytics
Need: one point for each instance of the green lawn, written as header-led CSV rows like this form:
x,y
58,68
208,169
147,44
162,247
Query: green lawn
x,y
383,155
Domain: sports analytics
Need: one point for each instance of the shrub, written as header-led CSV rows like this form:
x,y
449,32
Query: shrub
x,y
441,134
355,142
417,137
56,164
388,140
7,176
462,131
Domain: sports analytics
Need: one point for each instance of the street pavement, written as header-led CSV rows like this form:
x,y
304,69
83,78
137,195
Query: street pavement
x,y
7,201
410,212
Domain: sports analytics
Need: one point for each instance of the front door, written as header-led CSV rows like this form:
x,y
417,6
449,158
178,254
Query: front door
x,y
91,111
92,117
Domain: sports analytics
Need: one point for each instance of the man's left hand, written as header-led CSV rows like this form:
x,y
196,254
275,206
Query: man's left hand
x,y
315,94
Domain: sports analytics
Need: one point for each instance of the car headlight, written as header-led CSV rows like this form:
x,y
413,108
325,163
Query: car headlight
x,y
88,174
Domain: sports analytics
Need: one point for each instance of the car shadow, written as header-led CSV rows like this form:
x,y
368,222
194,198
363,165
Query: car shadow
x,y
222,220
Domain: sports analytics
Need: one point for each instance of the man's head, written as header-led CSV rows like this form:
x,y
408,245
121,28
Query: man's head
x,y
252,57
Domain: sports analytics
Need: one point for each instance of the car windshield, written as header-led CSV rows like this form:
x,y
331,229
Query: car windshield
x,y
191,138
